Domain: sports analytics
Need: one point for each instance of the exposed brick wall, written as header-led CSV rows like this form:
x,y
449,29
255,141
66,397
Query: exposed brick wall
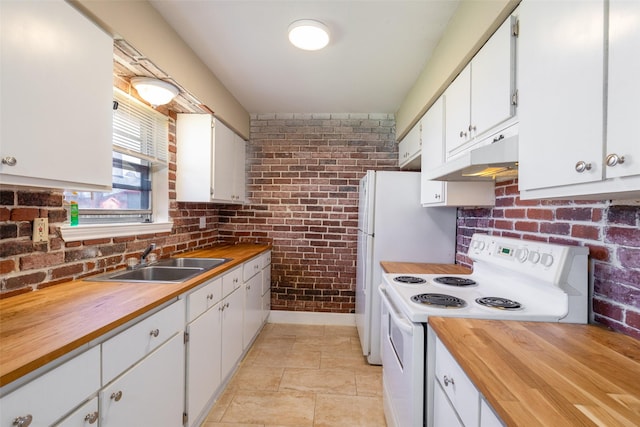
x,y
302,181
610,231
25,266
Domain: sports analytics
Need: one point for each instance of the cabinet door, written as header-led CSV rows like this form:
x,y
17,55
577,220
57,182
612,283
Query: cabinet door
x,y
252,309
443,413
151,393
238,195
56,114
409,148
203,360
493,81
458,111
224,158
231,332
194,157
560,74
432,192
488,418
624,88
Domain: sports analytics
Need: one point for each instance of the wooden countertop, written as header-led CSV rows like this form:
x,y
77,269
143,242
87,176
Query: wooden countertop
x,y
423,268
548,374
38,327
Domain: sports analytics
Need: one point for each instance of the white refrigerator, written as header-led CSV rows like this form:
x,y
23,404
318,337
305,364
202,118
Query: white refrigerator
x,y
393,226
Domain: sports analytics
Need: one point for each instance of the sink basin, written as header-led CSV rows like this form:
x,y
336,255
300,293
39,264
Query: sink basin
x,y
205,263
172,270
154,274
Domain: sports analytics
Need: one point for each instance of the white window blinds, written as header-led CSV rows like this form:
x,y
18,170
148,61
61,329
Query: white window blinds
x,y
139,130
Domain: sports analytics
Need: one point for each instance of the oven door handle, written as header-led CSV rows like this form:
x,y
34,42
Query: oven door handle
x,y
402,323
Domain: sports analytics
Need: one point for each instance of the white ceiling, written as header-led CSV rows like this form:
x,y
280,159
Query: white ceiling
x,y
376,53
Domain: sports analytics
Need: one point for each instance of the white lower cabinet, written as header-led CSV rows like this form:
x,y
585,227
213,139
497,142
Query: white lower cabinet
x,y
151,393
203,350
443,413
54,394
266,285
488,418
85,416
252,309
231,332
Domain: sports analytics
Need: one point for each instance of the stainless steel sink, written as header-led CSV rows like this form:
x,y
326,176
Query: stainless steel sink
x,y
172,270
156,274
206,263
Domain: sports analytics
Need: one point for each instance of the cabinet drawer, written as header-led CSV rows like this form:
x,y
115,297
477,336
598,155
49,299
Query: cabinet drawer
x,y
203,298
251,268
231,281
131,345
463,395
85,416
266,259
50,396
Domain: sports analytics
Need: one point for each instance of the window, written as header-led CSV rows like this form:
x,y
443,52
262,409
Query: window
x,y
140,139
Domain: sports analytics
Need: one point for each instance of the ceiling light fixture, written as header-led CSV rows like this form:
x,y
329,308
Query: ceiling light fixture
x,y
155,92
308,34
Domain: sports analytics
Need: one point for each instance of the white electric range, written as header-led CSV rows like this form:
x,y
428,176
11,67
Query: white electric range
x,y
512,279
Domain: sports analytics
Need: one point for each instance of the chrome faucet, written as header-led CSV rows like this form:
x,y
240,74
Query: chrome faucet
x,y
143,257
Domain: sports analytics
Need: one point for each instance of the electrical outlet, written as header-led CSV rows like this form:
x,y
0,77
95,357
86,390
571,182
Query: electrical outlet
x,y
40,230
203,222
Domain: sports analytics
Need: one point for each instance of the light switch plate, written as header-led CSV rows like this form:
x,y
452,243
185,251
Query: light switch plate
x,y
40,230
203,222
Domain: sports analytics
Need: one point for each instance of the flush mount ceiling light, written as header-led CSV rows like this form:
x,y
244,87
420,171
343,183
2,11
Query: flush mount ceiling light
x,y
308,34
154,91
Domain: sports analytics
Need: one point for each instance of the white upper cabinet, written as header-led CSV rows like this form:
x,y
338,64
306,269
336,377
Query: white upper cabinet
x,y
623,145
410,149
565,86
56,81
440,193
210,161
480,99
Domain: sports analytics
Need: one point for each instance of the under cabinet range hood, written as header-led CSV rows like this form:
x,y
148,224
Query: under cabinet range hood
x,y
495,161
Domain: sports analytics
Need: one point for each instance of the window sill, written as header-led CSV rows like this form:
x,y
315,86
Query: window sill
x,y
101,231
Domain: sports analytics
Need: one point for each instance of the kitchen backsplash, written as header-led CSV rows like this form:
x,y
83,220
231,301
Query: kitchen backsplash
x,y
610,231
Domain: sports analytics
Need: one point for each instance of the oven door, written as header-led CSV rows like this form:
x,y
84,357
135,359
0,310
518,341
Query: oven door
x,y
402,345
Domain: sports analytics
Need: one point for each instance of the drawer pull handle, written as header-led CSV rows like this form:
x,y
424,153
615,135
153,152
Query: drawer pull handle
x,y
116,396
448,381
155,332
92,417
23,421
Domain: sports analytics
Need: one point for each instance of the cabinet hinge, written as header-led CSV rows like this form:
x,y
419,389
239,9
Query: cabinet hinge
x,y
514,98
515,28
186,337
185,418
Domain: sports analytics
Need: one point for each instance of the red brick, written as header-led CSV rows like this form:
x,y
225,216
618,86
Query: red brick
x,y
541,214
7,266
585,232
575,214
623,236
600,253
514,213
41,260
24,214
528,226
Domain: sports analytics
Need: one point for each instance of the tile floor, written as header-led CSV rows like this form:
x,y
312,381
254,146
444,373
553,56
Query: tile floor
x,y
302,376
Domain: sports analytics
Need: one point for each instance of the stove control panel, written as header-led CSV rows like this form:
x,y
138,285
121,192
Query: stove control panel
x,y
545,261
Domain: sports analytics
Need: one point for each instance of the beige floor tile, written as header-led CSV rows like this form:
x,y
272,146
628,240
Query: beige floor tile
x,y
327,344
347,331
329,381
283,358
354,361
214,424
277,341
252,377
220,406
286,408
368,383
352,411
289,329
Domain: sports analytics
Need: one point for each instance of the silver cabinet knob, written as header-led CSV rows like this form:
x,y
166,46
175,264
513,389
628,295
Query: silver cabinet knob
x,y
10,161
463,134
210,296
613,159
116,396
24,421
448,381
92,417
155,332
472,128
582,166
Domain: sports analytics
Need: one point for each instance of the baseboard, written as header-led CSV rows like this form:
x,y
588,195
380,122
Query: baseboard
x,y
311,318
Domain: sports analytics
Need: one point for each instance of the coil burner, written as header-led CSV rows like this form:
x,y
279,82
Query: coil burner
x,y
439,300
455,281
410,280
499,303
